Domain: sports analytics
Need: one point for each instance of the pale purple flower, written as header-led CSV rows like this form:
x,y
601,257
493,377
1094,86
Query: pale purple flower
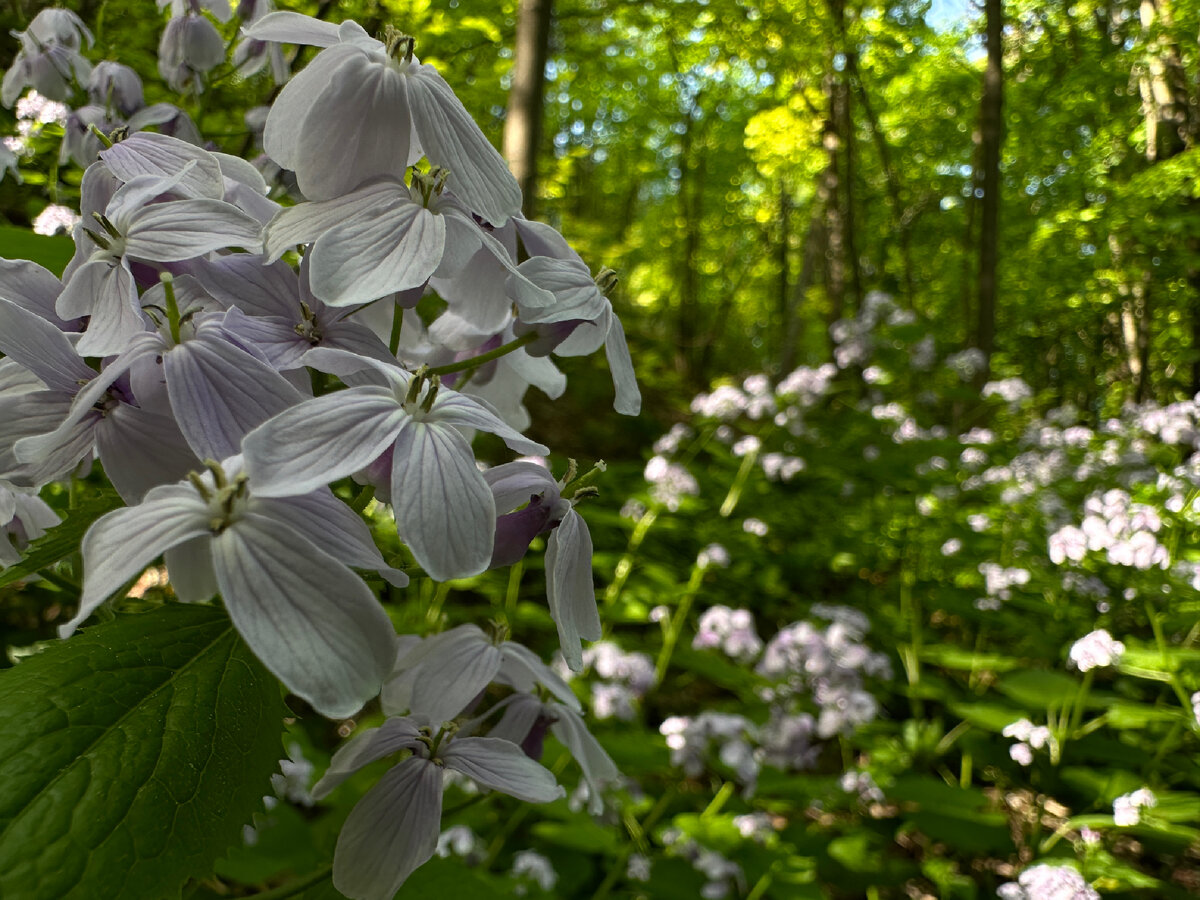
x,y
315,126
1046,882
525,722
280,566
443,506
1127,808
48,58
1096,650
437,678
539,506
529,864
190,47
115,87
24,517
394,828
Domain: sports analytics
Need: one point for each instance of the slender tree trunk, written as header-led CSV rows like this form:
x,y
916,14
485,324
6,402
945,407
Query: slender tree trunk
x,y
814,245
991,137
828,191
526,99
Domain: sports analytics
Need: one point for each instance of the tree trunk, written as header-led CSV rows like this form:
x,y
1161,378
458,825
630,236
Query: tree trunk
x,y
526,98
991,138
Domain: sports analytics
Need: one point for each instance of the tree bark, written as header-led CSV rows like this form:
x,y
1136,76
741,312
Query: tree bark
x,y
526,98
991,138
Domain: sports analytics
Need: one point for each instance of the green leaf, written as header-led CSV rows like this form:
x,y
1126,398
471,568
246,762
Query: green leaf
x,y
1038,689
131,756
63,539
52,252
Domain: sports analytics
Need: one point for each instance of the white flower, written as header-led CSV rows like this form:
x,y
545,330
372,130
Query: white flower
x,y
1096,650
1126,808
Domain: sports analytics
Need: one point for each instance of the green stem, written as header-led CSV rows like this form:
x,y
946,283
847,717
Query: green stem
x,y
677,621
397,326
514,589
1161,641
739,482
474,361
294,888
168,284
625,566
617,870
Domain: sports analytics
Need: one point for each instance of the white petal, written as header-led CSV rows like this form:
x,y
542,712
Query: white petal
x,y
366,258
598,767
478,174
629,398
219,393
190,568
336,153
311,621
327,522
569,587
467,412
522,668
305,222
392,831
147,153
184,229
321,440
105,291
39,346
293,28
140,449
514,483
443,507
122,543
456,666
396,734
520,715
286,125
502,766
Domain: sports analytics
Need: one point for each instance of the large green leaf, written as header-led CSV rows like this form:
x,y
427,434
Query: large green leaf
x,y
63,539
131,756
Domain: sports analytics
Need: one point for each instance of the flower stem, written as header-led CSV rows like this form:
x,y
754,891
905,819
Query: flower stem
x,y
474,361
294,888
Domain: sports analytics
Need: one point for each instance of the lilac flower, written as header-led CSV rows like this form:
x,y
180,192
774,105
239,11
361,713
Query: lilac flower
x,y
314,127
443,506
24,517
579,304
189,47
48,58
525,722
1127,807
45,433
312,621
116,87
1096,650
394,828
569,587
529,864
102,286
437,678
1046,882
730,630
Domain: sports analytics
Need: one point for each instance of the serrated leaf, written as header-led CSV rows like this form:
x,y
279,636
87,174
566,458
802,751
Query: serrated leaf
x,y
63,539
131,756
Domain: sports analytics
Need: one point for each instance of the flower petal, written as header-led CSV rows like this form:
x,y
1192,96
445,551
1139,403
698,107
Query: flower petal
x,y
219,393
311,621
629,399
392,831
122,543
396,734
321,440
569,587
478,174
502,766
39,346
443,507
451,671
366,258
469,412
